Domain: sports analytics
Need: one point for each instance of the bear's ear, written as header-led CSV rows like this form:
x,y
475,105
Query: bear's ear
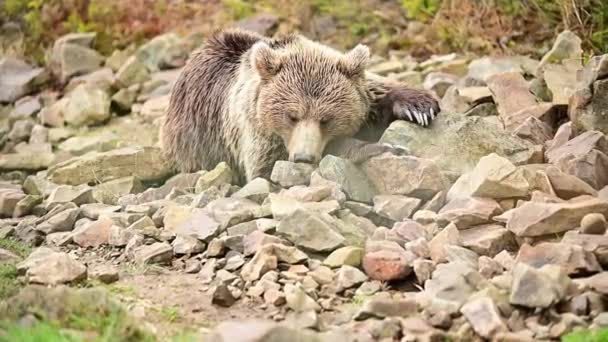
x,y
355,62
265,61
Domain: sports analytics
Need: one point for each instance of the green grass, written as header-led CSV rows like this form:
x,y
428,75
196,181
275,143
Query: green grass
x,y
171,314
600,335
9,285
42,332
17,247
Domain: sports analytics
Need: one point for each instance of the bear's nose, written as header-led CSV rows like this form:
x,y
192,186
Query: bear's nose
x,y
303,158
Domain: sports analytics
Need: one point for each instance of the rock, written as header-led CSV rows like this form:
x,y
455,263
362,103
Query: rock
x,y
593,223
584,157
155,107
566,48
8,257
262,262
17,79
156,253
481,69
537,219
106,274
21,130
468,212
538,288
288,174
488,240
78,146
282,206
25,108
93,234
511,94
26,161
257,330
79,195
85,106
599,282
484,317
298,300
561,81
395,207
352,180
348,255
221,174
222,296
257,190
348,277
8,201
231,211
450,286
106,166
133,71
308,231
386,260
404,175
110,192
262,23
61,222
454,143
56,268
493,177
187,245
439,82
26,205
448,236
125,98
423,269
161,52
567,186
199,224
574,259
101,79
71,56
39,135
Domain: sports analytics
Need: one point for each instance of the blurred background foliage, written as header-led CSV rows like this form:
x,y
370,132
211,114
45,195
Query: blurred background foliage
x,y
423,27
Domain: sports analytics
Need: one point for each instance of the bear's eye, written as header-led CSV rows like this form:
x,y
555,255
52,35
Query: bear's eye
x,y
293,118
324,121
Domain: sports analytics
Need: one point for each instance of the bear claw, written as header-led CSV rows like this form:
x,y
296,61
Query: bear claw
x,y
414,105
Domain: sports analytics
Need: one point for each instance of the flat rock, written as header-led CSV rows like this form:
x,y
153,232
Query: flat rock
x,y
537,219
60,222
446,237
156,253
348,277
199,224
106,166
468,212
56,268
493,177
396,207
405,175
131,72
308,231
257,190
573,258
79,195
456,143
107,274
26,161
17,78
298,300
263,261
488,240
348,255
383,307
450,286
282,206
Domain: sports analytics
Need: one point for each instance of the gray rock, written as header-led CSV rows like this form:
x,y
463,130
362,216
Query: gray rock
x,y
383,307
26,161
200,224
262,23
188,245
484,317
156,253
257,190
354,182
56,268
593,223
61,222
106,166
68,59
282,206
79,195
450,286
221,174
395,207
133,71
21,130
298,300
102,79
538,288
306,230
348,277
456,143
110,192
161,51
86,105
17,78
567,47
93,234
288,174
80,145
9,199
107,274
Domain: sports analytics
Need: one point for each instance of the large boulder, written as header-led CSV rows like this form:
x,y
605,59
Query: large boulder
x,y
17,78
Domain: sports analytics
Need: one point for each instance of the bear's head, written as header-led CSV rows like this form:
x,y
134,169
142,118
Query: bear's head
x,y
310,94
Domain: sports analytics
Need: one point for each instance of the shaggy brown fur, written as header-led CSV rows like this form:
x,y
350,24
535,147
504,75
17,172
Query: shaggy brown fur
x,y
250,100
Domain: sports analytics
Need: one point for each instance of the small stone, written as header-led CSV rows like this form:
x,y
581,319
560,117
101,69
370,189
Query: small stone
x,y
86,105
383,308
222,296
593,223
274,297
288,174
133,71
298,300
262,262
468,212
348,255
423,269
257,190
448,236
450,286
61,222
395,207
488,240
187,245
349,276
199,224
81,194
484,316
573,258
221,174
386,260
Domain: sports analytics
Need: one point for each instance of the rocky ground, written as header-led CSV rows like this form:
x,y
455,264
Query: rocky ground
x,y
493,229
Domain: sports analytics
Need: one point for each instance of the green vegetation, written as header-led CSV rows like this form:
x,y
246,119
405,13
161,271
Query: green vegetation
x,y
600,335
9,285
171,314
17,247
421,9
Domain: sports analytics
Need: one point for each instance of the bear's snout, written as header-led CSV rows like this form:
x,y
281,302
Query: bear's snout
x,y
306,142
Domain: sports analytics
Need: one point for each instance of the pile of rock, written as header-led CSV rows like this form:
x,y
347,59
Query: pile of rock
x,y
495,228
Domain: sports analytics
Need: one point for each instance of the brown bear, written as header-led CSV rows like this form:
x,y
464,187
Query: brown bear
x,y
250,100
